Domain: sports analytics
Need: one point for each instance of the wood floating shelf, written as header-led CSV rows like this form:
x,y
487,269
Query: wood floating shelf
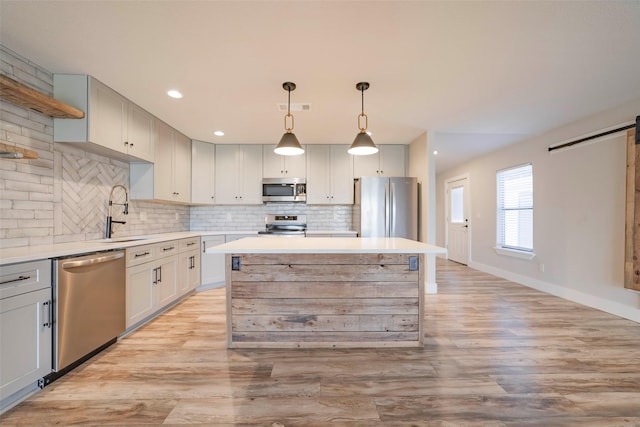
x,y
24,96
12,152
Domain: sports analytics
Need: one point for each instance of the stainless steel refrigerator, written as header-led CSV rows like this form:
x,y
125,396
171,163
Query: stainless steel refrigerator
x,y
386,207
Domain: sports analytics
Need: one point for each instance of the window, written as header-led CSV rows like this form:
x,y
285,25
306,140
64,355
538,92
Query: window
x,y
457,203
515,208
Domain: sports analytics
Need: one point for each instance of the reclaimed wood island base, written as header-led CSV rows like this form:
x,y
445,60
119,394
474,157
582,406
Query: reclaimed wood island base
x,y
324,292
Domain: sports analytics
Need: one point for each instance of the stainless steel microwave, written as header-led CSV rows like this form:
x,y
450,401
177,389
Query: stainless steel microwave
x,y
284,190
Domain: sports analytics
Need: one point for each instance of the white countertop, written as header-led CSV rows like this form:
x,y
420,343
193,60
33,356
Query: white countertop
x,y
55,250
331,245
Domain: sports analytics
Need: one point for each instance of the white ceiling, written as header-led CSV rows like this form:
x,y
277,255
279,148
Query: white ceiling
x,y
478,74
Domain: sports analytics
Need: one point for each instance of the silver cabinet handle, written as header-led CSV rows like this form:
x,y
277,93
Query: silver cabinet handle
x,y
91,261
18,279
141,254
191,243
48,323
168,248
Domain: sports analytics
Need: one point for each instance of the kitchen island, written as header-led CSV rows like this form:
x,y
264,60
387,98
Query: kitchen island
x,y
289,292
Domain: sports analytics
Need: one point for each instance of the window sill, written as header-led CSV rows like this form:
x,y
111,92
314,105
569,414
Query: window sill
x,y
515,253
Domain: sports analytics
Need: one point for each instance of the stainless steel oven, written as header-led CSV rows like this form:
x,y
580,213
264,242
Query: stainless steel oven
x,y
284,190
284,226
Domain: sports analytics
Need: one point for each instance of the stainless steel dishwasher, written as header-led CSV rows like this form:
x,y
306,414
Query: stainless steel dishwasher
x,y
89,306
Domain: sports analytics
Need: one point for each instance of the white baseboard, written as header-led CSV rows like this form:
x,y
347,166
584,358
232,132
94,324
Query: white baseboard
x,y
574,295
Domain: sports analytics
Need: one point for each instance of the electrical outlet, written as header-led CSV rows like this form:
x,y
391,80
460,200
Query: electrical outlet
x,y
541,267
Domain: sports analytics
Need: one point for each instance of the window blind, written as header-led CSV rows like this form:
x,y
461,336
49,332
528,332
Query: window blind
x,y
515,208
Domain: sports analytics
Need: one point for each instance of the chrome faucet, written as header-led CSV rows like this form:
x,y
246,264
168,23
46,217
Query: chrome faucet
x,y
125,211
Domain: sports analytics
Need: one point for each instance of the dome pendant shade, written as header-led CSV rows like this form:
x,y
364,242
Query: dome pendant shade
x,y
289,145
363,145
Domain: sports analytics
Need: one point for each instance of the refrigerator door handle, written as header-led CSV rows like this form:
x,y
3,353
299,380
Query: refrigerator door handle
x,y
386,209
392,210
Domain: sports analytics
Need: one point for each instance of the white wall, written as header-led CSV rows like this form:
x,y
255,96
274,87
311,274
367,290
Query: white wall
x,y
579,220
422,166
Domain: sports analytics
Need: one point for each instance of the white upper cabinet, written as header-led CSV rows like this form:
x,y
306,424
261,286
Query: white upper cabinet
x,y
203,157
113,126
278,166
329,175
238,174
169,177
390,160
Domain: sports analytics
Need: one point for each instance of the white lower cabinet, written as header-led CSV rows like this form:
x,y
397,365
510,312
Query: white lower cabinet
x,y
25,326
189,265
159,274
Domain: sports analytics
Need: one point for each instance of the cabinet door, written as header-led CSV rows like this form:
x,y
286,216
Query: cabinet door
x,y
166,287
212,265
163,164
193,270
140,284
366,165
226,174
341,176
202,173
251,175
296,166
181,170
108,111
272,163
25,340
318,174
140,133
392,160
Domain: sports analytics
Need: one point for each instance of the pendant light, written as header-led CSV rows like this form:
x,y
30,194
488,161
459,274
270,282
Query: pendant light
x,y
288,145
363,144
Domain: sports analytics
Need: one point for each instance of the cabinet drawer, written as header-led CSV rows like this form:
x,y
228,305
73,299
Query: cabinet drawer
x,y
16,279
140,254
189,244
171,247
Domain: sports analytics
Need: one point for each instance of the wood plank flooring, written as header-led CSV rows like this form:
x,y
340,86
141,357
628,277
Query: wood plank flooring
x,y
496,354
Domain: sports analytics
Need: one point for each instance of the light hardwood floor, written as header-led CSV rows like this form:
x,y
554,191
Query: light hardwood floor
x,y
496,354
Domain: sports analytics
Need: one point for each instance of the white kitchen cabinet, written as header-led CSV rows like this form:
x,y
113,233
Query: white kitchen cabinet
x,y
152,279
212,265
390,160
25,326
112,126
203,157
329,175
238,174
278,166
169,177
188,265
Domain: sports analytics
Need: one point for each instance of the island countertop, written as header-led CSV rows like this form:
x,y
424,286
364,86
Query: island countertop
x,y
325,245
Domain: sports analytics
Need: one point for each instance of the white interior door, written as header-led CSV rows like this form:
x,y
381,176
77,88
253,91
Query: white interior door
x,y
458,220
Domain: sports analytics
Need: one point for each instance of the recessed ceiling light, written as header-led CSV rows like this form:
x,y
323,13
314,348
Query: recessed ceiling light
x,y
218,133
174,94
435,152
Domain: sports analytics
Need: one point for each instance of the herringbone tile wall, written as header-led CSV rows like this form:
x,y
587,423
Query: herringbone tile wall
x,y
86,184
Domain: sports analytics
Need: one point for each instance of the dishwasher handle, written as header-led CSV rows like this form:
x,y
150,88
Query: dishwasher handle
x,y
91,261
